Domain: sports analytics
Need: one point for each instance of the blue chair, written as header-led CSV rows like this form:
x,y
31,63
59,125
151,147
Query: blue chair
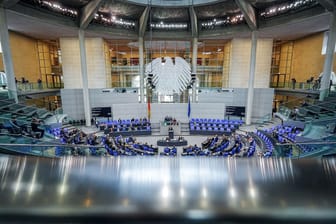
x,y
115,153
166,150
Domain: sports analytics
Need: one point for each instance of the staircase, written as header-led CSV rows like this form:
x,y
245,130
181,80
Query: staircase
x,y
318,110
3,95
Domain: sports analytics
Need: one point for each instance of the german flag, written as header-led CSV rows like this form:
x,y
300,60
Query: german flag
x,y
189,107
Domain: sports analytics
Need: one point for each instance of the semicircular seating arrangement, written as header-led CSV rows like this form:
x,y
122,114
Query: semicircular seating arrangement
x,y
226,142
282,134
235,145
127,146
268,144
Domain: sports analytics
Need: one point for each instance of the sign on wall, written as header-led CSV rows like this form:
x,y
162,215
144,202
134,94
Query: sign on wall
x,y
235,111
101,112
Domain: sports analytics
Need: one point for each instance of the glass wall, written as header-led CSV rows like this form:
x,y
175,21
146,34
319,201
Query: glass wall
x,y
124,58
212,63
50,64
281,67
213,60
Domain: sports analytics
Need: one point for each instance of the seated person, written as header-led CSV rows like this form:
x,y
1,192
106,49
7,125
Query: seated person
x,y
304,103
34,124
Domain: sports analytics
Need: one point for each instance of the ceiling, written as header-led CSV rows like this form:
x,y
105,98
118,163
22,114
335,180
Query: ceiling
x,y
266,3
74,3
122,9
170,14
217,10
38,22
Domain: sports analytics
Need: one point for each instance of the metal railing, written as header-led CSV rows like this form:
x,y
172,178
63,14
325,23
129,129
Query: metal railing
x,y
31,86
299,86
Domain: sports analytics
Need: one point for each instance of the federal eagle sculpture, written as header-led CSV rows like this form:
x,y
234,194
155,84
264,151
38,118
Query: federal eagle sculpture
x,y
170,75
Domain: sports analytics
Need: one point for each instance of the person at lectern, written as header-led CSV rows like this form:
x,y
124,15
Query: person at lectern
x,y
170,132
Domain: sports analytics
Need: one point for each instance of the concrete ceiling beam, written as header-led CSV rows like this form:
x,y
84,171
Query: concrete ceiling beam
x,y
143,21
249,13
87,13
8,3
193,21
330,5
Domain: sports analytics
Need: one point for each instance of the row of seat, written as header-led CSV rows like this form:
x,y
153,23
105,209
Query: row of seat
x,y
167,151
286,134
128,131
210,129
126,127
216,121
268,143
210,126
235,145
128,146
127,122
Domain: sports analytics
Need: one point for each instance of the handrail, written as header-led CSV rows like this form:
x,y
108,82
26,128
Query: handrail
x,y
23,87
307,143
8,119
41,104
58,111
267,117
295,100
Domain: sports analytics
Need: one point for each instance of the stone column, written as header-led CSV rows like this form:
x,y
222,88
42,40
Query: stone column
x,y
86,99
329,58
194,65
7,56
141,68
249,106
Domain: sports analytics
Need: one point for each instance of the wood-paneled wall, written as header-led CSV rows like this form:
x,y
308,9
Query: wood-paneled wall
x,y
25,57
307,58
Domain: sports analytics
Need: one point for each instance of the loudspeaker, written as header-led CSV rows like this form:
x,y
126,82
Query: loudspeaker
x,y
193,77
